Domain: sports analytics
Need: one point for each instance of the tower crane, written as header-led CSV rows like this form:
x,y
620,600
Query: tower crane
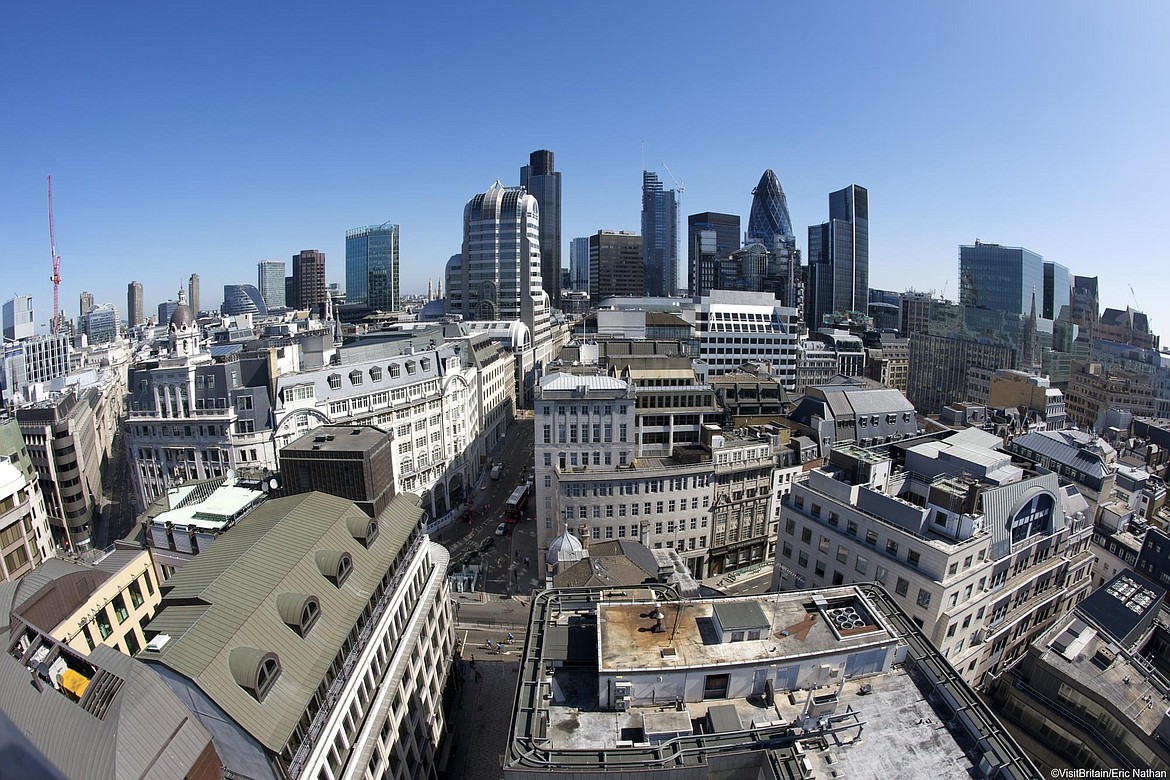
x,y
56,277
678,186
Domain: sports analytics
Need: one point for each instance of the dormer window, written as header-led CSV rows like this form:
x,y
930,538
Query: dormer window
x,y
355,377
298,611
335,381
254,670
395,371
376,373
336,566
364,529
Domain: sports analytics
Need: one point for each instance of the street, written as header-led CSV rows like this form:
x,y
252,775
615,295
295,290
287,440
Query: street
x,y
501,558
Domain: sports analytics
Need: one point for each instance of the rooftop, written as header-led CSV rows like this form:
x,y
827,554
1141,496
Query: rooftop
x,y
340,438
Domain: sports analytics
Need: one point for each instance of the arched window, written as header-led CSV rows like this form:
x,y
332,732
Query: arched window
x,y
335,565
298,611
266,676
309,615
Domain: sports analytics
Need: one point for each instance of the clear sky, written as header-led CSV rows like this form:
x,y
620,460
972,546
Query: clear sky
x,y
203,137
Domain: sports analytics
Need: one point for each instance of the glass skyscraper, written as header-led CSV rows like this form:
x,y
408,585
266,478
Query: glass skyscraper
x,y
242,299
711,238
371,266
769,216
659,236
838,258
270,282
543,182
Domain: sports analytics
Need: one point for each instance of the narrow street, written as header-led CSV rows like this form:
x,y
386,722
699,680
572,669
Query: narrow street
x,y
502,558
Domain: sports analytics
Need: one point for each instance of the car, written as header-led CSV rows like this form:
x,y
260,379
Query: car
x,y
487,544
501,529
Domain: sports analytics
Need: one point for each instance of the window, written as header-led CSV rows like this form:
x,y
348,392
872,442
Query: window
x,y
901,587
820,568
892,547
335,381
120,610
135,594
802,559
851,527
376,373
842,553
309,615
912,558
736,636
923,599
105,628
871,538
823,545
266,676
806,535
860,564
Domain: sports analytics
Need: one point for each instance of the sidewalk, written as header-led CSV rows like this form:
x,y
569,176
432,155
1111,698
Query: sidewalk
x,y
482,719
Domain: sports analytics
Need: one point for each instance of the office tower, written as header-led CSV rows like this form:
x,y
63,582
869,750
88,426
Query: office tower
x,y
838,258
18,318
579,264
270,282
134,304
543,182
371,267
769,218
1001,289
615,265
355,462
290,292
242,299
101,324
1057,291
308,278
711,238
165,310
193,294
659,236
1085,303
86,302
885,308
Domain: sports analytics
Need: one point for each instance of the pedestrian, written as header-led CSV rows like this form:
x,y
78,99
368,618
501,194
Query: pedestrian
x,y
526,561
510,636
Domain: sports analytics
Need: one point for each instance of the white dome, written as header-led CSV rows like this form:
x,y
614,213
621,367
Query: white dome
x,y
565,548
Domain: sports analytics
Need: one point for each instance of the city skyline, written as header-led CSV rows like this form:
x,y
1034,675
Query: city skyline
x,y
210,175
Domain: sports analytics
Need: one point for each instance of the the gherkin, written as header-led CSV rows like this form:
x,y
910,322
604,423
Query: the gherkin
x,y
769,215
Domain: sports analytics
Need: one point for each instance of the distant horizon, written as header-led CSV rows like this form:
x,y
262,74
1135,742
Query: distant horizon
x,y
231,135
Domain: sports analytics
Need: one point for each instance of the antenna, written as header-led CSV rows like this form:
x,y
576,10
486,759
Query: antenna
x,y
56,277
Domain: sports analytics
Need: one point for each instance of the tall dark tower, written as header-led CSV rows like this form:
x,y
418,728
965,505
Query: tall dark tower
x,y
838,258
308,268
769,215
543,182
659,236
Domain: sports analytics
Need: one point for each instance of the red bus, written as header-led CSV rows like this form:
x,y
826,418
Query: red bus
x,y
516,503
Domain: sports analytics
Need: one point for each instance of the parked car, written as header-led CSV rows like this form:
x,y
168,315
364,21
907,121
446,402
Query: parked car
x,y
501,529
496,469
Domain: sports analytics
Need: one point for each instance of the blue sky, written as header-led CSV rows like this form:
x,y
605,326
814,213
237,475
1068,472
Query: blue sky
x,y
205,137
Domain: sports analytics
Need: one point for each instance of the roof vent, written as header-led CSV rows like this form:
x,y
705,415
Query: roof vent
x,y
158,642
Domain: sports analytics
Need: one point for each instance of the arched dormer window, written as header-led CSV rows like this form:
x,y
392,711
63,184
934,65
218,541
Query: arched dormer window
x,y
336,566
298,611
364,529
254,670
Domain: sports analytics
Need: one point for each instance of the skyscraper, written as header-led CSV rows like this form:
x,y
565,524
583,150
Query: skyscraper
x,y
134,304
270,281
711,238
193,294
659,236
309,278
838,258
18,318
615,265
242,299
371,266
101,324
85,302
543,182
579,264
769,216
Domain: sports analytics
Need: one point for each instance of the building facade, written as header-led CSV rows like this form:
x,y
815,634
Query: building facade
x,y
733,328
943,368
838,258
134,305
579,264
19,322
101,324
543,182
242,299
371,267
270,281
711,238
981,553
615,265
193,299
308,279
352,634
659,236
25,537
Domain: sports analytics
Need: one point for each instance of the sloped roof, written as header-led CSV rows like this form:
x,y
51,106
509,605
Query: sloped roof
x,y
226,598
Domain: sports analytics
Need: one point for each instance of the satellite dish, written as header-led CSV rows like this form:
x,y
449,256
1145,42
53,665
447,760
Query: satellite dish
x,y
272,483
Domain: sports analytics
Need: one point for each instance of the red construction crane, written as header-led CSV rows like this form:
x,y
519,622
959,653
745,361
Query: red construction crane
x,y
56,277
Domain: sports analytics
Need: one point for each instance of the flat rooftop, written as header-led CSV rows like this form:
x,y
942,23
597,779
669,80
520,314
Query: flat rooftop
x,y
197,508
339,438
797,626
901,735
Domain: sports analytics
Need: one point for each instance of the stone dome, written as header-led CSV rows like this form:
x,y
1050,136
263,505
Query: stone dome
x,y
565,548
183,317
